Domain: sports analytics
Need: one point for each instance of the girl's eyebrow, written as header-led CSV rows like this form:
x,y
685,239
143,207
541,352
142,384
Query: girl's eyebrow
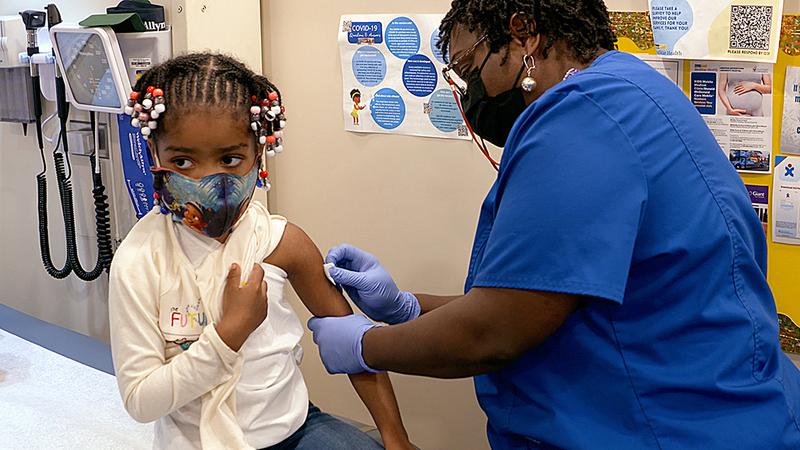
x,y
230,148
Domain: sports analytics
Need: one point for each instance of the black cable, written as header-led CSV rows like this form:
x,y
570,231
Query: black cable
x,y
44,238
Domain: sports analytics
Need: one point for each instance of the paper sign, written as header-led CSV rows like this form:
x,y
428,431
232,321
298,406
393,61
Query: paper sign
x,y
786,201
392,76
790,132
759,197
733,30
735,99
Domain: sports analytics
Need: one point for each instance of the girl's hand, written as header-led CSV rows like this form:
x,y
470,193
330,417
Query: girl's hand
x,y
745,87
244,306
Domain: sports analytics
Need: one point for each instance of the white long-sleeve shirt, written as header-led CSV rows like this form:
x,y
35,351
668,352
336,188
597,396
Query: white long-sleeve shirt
x,y
165,293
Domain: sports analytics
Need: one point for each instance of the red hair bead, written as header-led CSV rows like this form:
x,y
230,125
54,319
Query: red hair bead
x,y
134,95
264,174
273,96
158,93
271,139
150,89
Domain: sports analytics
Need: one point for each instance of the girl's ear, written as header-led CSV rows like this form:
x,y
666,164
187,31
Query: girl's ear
x,y
153,151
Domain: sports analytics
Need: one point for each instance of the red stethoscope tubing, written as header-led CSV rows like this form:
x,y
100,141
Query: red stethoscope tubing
x,y
481,147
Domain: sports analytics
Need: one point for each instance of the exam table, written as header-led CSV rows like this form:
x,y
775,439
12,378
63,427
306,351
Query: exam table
x,y
58,391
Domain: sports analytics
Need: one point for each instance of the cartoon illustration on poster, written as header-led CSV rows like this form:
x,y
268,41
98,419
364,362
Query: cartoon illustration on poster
x,y
735,99
721,30
786,201
392,77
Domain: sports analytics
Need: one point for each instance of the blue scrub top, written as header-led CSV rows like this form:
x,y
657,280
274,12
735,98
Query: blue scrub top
x,y
613,188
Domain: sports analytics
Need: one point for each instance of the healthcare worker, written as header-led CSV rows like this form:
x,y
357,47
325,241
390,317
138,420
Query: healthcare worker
x,y
617,294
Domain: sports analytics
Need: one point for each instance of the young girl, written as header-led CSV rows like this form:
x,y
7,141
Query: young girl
x,y
203,339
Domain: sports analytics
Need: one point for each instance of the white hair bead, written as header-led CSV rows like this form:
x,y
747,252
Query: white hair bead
x,y
129,110
255,110
279,149
282,124
160,108
254,126
271,116
262,140
271,153
152,124
147,103
154,115
276,110
135,122
145,131
278,134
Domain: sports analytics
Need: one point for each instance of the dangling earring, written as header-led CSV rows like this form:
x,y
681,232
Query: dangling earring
x,y
528,83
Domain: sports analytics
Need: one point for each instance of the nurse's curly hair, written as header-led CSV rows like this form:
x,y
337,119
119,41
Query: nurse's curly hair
x,y
202,80
583,25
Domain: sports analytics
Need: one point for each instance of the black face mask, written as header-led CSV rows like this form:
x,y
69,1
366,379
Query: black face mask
x,y
492,117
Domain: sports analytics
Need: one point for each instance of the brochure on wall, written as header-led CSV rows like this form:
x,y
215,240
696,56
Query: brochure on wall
x,y
392,75
670,68
786,201
735,30
790,132
759,196
735,98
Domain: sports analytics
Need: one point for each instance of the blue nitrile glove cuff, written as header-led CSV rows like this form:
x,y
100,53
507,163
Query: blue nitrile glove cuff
x,y
359,350
340,342
408,310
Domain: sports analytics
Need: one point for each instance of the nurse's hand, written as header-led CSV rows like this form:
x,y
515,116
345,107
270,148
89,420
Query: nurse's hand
x,y
370,286
339,342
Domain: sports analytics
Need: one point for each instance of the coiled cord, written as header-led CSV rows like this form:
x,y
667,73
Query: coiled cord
x,y
104,246
44,238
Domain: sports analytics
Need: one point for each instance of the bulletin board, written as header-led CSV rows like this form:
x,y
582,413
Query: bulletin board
x,y
635,35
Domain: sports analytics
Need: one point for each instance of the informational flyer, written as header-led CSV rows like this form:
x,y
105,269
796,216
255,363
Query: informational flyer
x,y
670,68
790,131
728,30
759,196
735,98
786,201
392,76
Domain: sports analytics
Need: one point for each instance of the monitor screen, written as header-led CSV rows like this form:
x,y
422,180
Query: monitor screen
x,y
88,71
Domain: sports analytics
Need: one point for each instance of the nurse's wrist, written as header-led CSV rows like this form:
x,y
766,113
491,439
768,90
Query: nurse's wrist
x,y
360,349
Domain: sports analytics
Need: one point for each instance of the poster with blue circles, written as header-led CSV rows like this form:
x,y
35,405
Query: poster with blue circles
x,y
392,77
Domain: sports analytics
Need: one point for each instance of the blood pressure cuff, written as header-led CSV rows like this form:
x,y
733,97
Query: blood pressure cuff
x,y
152,15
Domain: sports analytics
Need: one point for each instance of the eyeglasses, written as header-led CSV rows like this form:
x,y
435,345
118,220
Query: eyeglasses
x,y
453,64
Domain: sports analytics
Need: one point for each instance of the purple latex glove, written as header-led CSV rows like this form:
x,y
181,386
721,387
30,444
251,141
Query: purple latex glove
x,y
339,342
370,286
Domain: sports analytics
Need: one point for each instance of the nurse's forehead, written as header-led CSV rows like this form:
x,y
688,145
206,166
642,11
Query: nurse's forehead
x,y
461,41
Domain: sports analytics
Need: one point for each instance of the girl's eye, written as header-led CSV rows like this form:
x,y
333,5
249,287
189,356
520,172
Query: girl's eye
x,y
182,163
232,161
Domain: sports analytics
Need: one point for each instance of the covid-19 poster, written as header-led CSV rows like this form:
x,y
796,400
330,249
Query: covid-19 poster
x,y
738,30
392,77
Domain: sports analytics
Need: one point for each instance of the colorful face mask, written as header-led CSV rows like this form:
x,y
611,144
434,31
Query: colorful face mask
x,y
210,205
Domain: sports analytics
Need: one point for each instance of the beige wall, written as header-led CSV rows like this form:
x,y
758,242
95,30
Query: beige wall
x,y
412,201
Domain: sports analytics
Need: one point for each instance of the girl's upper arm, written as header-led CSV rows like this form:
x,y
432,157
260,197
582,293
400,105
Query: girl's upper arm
x,y
301,259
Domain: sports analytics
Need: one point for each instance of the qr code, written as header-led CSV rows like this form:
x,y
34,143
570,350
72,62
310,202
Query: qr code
x,y
463,130
427,109
347,26
751,27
